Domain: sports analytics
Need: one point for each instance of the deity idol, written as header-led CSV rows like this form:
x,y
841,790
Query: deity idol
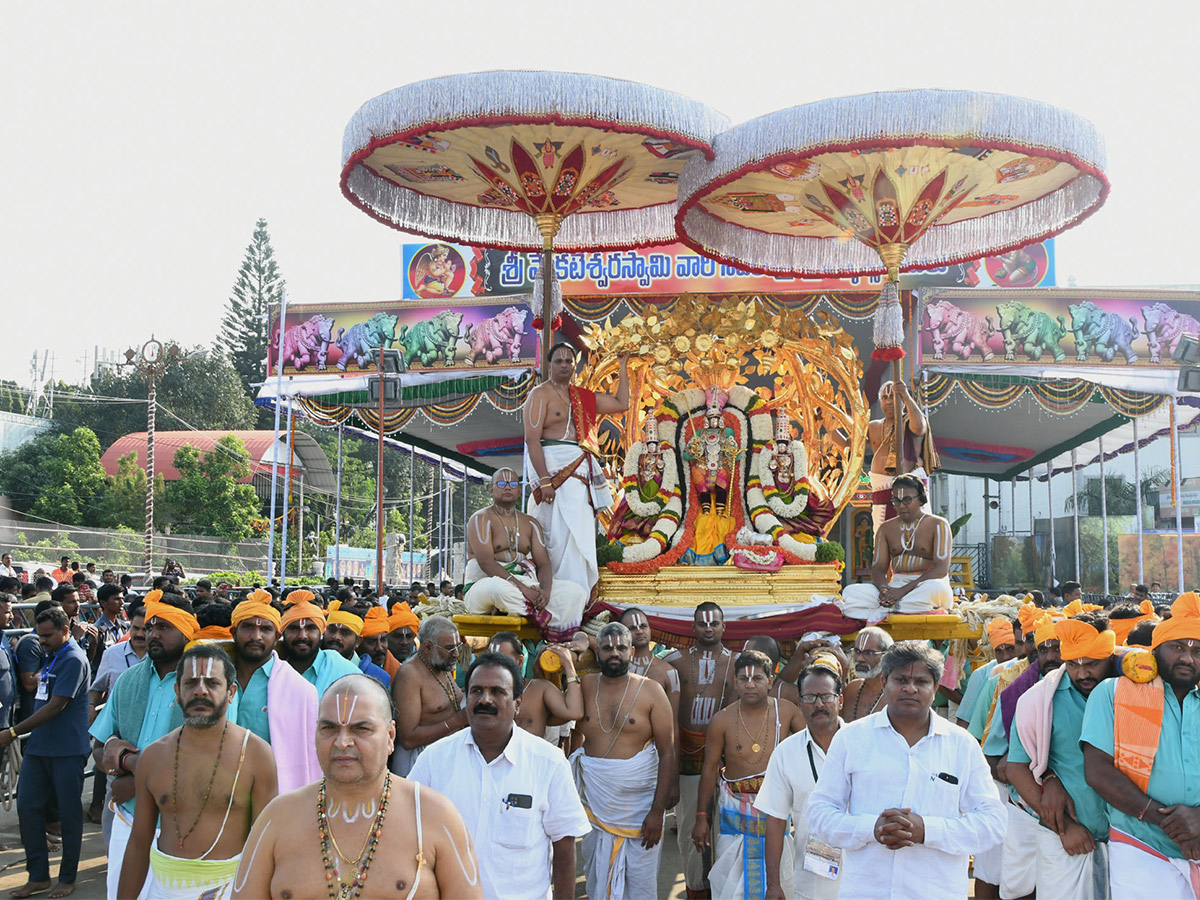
x,y
649,497
712,454
784,502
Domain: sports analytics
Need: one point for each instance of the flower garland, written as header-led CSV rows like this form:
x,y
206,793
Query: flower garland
x,y
632,490
785,509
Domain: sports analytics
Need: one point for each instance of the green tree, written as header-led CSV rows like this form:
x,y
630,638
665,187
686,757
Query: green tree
x,y
74,477
207,498
24,473
245,329
123,503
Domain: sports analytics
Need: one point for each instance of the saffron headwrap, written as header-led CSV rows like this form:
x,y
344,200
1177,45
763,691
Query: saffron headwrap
x,y
350,620
1028,615
299,611
334,606
181,619
213,633
1079,640
376,622
1000,632
254,607
1043,630
300,596
1075,607
1184,622
1122,627
403,617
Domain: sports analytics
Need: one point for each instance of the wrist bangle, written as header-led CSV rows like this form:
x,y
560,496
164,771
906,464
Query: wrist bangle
x,y
701,815
13,733
1048,776
573,679
121,760
1145,809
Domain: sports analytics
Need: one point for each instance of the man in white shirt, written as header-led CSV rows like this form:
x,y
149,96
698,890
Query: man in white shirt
x,y
907,796
6,567
791,777
513,789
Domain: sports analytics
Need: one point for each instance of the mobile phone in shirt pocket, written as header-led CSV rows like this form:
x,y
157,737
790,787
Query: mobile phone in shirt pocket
x,y
943,793
518,829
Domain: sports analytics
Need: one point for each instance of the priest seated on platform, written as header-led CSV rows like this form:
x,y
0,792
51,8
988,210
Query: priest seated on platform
x,y
509,570
915,548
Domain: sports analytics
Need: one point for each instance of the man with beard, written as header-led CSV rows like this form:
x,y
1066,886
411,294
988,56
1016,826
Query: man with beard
x,y
625,771
1046,766
274,702
402,633
1007,642
514,790
303,626
141,708
737,749
1139,752
407,840
374,646
206,759
791,777
644,662
343,634
865,692
906,795
428,702
543,707
911,571
705,674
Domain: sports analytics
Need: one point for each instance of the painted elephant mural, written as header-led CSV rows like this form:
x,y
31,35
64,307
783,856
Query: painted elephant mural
x,y
362,341
1105,332
1165,327
950,326
498,336
1031,330
307,342
432,338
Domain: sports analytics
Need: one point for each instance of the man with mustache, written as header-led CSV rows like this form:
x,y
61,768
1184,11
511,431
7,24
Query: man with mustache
x,y
428,701
1046,766
208,780
514,789
791,777
303,625
644,662
865,692
273,701
141,708
344,629
402,633
358,831
544,706
741,739
904,794
625,771
1139,743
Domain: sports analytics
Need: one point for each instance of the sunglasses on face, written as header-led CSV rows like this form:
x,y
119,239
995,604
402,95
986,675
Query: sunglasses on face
x,y
508,484
903,501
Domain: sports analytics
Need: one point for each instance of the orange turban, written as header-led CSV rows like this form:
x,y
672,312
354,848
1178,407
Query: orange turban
x,y
1000,632
300,611
181,619
334,606
1184,622
255,607
1075,607
350,620
1147,608
213,633
1043,630
1122,627
376,622
1028,615
403,617
1079,640
300,596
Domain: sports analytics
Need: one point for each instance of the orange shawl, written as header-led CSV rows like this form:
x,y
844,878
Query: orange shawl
x,y
1137,726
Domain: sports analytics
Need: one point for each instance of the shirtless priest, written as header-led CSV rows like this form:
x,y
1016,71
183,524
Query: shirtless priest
x,y
206,781
410,841
915,548
508,566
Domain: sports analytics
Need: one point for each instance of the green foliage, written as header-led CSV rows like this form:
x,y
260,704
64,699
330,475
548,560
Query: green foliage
x,y
245,328
1013,563
59,542
236,579
830,551
73,477
957,525
12,397
24,475
123,503
607,551
207,498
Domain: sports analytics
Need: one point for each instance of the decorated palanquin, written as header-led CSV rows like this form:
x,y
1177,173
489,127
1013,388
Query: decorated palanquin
x,y
744,441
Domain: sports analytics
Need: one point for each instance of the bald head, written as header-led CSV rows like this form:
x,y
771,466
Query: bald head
x,y
372,698
355,730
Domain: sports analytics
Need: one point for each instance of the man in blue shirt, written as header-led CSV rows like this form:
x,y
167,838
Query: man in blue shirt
x,y
54,756
8,663
343,633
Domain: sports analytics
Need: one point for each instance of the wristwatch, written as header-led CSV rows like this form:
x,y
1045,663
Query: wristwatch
x,y
571,679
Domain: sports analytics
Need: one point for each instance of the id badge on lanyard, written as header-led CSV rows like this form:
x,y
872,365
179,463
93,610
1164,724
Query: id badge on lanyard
x,y
43,688
822,859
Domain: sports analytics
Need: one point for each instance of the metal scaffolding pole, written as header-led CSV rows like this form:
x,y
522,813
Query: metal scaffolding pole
x,y
1137,480
1177,487
337,514
1050,503
287,495
1075,514
275,449
1103,512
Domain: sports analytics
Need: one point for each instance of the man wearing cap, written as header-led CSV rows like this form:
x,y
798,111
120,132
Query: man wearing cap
x,y
1141,749
343,634
402,635
1045,764
303,626
141,708
274,702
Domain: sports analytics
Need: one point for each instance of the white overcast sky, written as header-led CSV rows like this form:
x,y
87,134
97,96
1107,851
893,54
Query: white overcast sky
x,y
141,141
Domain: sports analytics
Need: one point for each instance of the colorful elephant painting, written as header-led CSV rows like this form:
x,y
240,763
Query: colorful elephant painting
x,y
1165,327
497,337
960,330
1106,332
362,342
307,342
432,338
1032,330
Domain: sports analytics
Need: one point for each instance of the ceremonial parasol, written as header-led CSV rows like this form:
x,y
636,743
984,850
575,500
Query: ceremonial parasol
x,y
526,161
891,182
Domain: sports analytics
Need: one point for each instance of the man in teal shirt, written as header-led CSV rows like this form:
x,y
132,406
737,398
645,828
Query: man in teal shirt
x,y
1154,835
303,625
1047,769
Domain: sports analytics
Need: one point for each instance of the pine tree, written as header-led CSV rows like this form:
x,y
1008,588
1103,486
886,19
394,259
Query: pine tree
x,y
245,329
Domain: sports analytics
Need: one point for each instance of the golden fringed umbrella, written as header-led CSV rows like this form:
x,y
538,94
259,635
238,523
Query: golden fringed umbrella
x,y
891,182
526,161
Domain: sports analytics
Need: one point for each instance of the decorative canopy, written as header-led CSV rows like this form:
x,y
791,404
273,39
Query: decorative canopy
x,y
477,157
896,181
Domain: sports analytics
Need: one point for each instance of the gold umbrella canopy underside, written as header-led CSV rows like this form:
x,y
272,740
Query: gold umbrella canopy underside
x,y
806,367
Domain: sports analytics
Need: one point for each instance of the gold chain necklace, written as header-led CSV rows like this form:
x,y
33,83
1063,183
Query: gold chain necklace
x,y
755,746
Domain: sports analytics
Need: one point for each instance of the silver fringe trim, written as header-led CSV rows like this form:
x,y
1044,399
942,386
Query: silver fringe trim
x,y
889,318
556,301
899,115
434,102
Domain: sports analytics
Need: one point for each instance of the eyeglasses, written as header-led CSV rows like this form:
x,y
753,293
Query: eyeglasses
x,y
902,501
822,698
858,652
508,484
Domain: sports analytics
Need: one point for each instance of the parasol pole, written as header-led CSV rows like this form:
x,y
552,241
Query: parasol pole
x,y
1137,479
889,341
547,224
1103,512
337,513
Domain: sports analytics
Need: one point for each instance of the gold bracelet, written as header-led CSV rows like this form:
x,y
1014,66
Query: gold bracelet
x,y
13,732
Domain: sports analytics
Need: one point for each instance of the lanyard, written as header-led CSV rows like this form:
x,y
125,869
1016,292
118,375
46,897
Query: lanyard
x,y
48,668
812,764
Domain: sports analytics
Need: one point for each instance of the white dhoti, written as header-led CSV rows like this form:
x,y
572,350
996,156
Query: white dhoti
x,y
1137,870
861,601
403,760
617,795
1066,877
685,821
1018,855
883,483
570,521
558,621
122,828
172,878
739,836
985,866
